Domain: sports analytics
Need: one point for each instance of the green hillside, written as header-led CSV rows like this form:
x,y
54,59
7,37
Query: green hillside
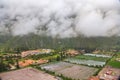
x,y
32,41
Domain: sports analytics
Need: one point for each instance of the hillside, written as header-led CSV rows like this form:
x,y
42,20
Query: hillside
x,y
32,41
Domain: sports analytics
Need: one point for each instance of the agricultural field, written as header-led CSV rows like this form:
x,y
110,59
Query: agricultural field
x,y
115,61
43,56
78,67
98,55
92,57
86,62
26,74
94,60
69,70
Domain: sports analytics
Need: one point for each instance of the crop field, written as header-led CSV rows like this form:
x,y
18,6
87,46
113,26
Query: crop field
x,y
89,57
86,62
115,61
57,66
69,70
98,55
26,74
94,60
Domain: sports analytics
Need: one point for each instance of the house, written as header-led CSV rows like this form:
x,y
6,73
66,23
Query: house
x,y
26,63
94,78
109,73
30,62
30,52
96,51
36,52
41,61
118,59
72,52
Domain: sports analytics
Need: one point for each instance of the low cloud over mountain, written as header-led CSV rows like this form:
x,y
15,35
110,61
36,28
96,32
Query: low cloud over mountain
x,y
60,18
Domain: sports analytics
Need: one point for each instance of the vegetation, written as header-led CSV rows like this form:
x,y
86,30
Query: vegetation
x,y
69,71
114,62
32,41
3,65
90,63
84,57
53,73
90,60
15,44
43,56
7,59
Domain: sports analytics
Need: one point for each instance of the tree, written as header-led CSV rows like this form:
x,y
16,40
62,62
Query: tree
x,y
58,58
17,64
17,57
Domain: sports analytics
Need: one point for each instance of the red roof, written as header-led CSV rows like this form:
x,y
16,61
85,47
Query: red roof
x,y
93,78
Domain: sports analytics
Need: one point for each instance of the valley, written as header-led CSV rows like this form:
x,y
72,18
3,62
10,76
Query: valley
x,y
68,64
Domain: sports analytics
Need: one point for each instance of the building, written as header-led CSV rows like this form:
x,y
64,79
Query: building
x,y
72,52
30,62
109,73
26,63
36,52
94,78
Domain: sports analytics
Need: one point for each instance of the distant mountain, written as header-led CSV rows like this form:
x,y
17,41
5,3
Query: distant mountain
x,y
32,41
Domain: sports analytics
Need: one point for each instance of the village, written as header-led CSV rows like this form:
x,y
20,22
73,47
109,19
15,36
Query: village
x,y
59,65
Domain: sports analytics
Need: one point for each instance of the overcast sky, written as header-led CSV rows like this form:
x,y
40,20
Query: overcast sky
x,y
61,18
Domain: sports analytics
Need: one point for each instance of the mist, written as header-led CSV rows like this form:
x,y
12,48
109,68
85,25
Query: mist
x,y
60,18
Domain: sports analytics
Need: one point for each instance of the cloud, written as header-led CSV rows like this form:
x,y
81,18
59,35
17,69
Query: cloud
x,y
60,18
